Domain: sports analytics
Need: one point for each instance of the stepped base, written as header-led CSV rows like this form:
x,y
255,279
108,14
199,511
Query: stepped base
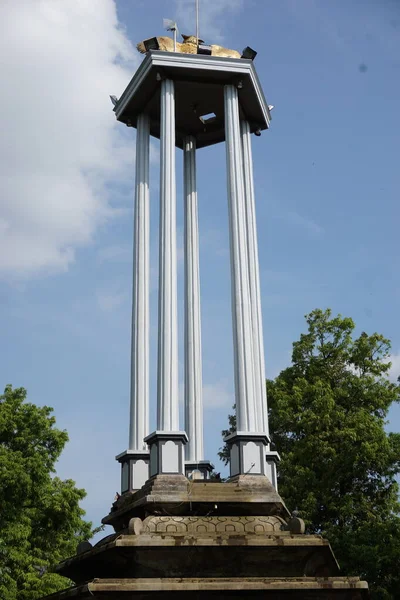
x,y
244,495
204,547
201,539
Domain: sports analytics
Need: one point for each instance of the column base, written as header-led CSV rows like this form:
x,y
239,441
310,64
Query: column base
x,y
198,470
272,458
167,453
134,469
247,453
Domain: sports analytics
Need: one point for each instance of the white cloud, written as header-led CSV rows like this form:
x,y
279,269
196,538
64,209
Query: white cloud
x,y
60,142
394,371
213,15
217,395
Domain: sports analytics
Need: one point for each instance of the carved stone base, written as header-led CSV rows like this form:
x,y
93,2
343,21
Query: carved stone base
x,y
209,526
165,555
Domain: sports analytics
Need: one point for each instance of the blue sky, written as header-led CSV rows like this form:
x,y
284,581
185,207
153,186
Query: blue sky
x,y
327,183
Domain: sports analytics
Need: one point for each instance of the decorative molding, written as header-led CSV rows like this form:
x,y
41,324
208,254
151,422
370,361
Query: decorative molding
x,y
213,526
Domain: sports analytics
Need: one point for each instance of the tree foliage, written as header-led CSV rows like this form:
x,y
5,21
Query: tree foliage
x,y
328,413
41,522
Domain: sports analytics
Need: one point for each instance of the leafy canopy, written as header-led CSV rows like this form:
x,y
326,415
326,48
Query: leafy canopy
x,y
41,522
328,413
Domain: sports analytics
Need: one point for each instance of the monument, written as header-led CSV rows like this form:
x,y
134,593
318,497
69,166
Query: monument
x,y
176,532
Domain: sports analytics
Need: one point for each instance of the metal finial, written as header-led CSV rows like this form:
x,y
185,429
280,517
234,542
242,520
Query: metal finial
x,y
171,26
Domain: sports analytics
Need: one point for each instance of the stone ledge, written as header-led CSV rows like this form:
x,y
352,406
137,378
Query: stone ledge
x,y
327,588
248,583
221,539
221,555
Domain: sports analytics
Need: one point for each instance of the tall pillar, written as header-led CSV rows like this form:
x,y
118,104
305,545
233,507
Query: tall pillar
x,y
254,278
167,382
166,444
247,445
193,360
260,389
193,365
135,461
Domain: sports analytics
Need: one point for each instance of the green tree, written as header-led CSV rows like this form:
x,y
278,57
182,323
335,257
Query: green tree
x,y
328,413
41,522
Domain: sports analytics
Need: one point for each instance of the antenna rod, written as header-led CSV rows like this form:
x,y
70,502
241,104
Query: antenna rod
x,y
197,21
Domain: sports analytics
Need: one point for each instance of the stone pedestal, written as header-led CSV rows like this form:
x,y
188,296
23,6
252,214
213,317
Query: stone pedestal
x,y
247,453
134,469
167,453
272,460
198,470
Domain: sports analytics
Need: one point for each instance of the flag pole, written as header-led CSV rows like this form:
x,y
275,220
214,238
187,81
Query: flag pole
x,y
197,21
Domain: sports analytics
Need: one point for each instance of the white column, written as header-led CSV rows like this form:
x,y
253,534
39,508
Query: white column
x,y
260,391
166,444
139,407
193,366
167,380
241,305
